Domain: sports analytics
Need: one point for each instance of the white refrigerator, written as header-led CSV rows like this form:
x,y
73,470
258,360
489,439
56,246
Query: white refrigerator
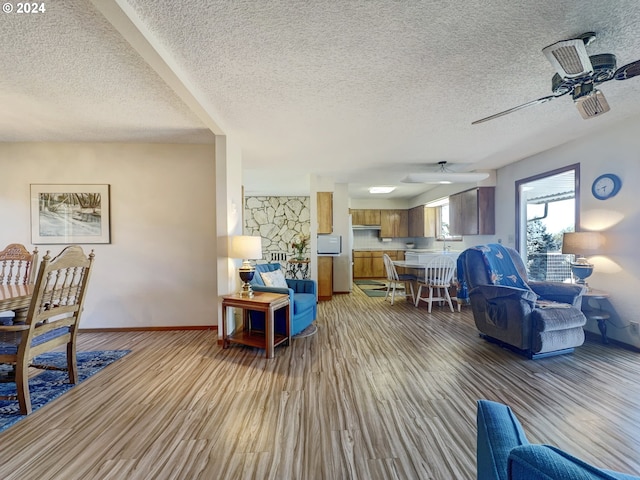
x,y
343,264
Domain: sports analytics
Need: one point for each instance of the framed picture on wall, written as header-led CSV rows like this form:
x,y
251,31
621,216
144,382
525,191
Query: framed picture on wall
x,y
69,214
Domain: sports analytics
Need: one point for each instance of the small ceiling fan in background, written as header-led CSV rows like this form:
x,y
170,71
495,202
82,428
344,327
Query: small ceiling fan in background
x,y
444,175
578,74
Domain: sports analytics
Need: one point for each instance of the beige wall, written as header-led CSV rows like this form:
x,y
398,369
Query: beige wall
x,y
160,268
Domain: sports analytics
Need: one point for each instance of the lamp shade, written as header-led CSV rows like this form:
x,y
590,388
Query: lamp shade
x,y
582,243
246,247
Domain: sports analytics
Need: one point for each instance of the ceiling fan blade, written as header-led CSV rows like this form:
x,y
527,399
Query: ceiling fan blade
x,y
628,71
514,109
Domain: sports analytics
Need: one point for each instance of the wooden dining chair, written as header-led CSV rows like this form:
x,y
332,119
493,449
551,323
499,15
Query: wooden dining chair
x,y
438,275
52,319
17,265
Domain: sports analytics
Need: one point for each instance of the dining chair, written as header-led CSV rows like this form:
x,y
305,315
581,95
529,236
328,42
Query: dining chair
x,y
437,278
394,279
17,265
52,319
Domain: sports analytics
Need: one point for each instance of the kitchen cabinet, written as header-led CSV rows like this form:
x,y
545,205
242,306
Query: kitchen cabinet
x,y
325,278
394,223
365,216
422,221
472,212
363,264
325,212
369,263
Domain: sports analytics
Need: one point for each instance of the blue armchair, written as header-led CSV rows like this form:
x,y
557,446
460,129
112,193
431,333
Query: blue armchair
x,y
533,318
504,453
302,297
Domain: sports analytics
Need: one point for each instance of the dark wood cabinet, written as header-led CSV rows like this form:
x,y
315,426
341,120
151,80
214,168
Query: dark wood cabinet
x,y
394,223
422,222
472,212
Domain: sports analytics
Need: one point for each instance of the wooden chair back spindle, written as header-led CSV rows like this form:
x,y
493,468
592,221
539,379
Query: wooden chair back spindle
x,y
17,265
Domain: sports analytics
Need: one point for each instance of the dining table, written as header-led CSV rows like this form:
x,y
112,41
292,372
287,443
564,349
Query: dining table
x,y
16,298
419,268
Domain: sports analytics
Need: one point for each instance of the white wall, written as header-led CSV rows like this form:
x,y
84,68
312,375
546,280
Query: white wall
x,y
617,270
160,268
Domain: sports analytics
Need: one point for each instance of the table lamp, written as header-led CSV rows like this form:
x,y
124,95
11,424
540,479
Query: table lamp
x,y
247,248
581,244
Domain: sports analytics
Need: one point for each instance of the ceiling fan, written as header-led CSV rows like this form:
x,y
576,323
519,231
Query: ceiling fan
x,y
578,74
444,175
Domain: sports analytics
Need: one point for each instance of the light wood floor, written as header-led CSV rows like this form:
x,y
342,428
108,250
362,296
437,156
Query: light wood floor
x,y
381,392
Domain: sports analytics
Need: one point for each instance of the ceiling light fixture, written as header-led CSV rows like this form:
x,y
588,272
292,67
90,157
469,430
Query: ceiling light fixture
x,y
445,175
376,190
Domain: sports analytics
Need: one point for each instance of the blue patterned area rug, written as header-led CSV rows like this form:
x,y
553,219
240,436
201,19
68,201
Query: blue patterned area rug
x,y
50,384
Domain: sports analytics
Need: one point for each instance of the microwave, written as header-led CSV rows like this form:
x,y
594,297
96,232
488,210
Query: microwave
x,y
329,244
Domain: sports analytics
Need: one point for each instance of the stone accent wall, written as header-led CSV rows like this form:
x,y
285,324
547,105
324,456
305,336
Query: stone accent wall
x,y
278,220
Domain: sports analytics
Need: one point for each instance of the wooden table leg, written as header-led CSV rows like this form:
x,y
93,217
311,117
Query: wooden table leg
x,y
269,327
287,320
224,326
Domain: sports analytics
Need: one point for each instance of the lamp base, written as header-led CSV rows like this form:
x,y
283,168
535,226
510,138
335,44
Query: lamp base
x,y
581,271
246,275
246,290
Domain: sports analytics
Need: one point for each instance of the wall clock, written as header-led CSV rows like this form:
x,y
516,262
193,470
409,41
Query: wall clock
x,y
606,186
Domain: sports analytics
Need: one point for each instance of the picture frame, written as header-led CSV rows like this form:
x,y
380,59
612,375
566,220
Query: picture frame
x,y
70,214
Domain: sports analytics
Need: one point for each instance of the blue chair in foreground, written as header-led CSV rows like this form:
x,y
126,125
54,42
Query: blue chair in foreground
x,y
504,453
536,319
303,298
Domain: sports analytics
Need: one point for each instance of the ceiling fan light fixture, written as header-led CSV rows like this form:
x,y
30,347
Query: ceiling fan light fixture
x,y
445,176
569,58
592,105
381,189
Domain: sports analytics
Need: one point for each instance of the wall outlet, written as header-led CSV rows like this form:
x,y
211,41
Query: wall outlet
x,y
635,328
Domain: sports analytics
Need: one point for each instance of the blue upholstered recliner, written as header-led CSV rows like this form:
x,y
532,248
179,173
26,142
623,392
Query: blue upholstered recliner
x,y
533,318
302,297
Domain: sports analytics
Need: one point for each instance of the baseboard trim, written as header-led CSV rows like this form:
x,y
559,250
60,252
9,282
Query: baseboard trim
x,y
148,329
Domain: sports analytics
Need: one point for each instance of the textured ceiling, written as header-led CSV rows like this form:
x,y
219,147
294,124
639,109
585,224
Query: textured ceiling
x,y
361,91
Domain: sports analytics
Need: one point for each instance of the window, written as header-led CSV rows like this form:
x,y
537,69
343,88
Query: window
x,y
442,220
547,206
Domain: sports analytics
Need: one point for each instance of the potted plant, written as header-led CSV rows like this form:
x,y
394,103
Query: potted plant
x,y
299,246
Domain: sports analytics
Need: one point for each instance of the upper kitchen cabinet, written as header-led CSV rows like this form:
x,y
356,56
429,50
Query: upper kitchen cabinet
x,y
473,212
325,212
422,222
361,216
394,223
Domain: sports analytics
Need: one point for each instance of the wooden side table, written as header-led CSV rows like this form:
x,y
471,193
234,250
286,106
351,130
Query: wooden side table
x,y
266,302
592,309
